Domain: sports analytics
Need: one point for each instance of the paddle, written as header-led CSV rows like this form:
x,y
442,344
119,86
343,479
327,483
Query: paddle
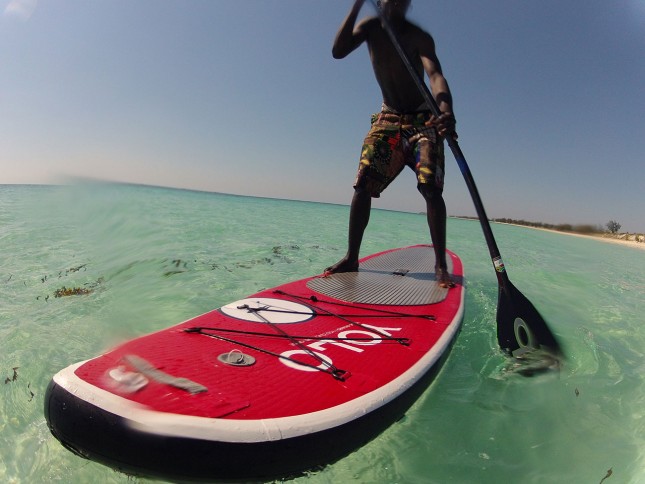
x,y
520,328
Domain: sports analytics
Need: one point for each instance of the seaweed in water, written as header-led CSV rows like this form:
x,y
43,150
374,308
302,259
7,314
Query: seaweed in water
x,y
71,291
609,473
177,263
14,377
78,291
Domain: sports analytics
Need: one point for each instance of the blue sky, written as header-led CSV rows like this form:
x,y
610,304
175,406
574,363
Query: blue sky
x,y
243,96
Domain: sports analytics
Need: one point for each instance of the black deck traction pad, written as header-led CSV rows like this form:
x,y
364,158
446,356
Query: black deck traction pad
x,y
403,277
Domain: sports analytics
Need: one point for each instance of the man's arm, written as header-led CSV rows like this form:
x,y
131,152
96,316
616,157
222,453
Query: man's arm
x,y
349,38
438,85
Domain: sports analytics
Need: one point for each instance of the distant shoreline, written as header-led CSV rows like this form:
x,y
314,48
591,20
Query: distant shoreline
x,y
602,237
620,239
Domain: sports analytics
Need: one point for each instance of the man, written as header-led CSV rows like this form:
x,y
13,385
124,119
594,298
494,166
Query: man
x,y
404,132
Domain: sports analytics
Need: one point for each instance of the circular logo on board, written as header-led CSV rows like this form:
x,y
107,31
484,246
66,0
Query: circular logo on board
x,y
268,310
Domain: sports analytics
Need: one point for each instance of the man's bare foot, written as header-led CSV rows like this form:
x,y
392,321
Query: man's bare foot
x,y
442,276
343,265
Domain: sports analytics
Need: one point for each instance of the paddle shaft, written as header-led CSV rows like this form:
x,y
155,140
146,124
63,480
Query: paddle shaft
x,y
502,277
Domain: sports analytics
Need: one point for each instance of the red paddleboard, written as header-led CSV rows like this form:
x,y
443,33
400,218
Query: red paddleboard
x,y
272,385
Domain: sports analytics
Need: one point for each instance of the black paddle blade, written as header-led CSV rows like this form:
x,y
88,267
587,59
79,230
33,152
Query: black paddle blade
x,y
520,328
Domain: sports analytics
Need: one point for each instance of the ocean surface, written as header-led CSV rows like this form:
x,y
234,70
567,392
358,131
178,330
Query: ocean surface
x,y
147,258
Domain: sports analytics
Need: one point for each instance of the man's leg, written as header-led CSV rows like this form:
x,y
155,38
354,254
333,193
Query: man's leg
x,y
436,214
359,216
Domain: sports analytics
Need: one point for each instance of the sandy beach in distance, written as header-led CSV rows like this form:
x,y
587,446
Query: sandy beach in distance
x,y
604,238
620,239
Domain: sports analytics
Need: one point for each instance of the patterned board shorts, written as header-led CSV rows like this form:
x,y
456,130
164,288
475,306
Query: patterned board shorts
x,y
395,141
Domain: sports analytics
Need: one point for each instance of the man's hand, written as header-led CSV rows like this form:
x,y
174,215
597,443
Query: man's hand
x,y
445,124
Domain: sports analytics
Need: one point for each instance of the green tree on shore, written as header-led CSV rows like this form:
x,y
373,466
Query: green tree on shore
x,y
613,226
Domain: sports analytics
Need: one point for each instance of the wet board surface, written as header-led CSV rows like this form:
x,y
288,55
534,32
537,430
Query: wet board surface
x,y
271,385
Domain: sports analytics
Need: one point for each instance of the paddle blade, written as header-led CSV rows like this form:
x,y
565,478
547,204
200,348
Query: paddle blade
x,y
520,327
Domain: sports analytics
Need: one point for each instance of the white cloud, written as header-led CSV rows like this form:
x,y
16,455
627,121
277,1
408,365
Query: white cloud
x,y
22,9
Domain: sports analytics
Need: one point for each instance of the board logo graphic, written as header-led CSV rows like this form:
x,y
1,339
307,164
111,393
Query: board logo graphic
x,y
356,340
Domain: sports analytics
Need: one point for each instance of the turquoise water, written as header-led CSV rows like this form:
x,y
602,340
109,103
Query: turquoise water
x,y
152,257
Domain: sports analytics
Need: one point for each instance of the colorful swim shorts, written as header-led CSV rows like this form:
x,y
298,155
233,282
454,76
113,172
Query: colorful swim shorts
x,y
394,141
